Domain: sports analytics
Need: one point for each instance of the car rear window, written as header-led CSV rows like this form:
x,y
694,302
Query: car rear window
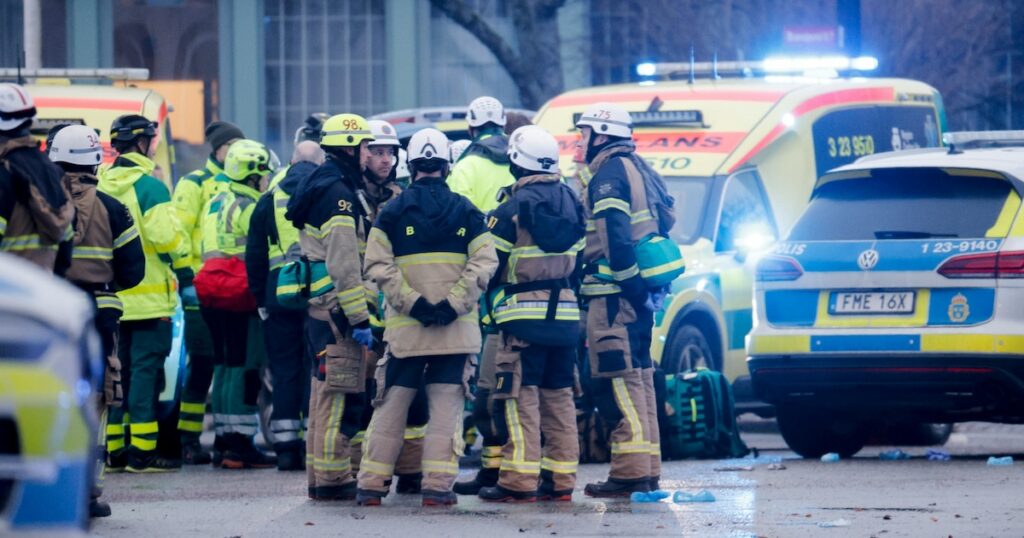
x,y
906,203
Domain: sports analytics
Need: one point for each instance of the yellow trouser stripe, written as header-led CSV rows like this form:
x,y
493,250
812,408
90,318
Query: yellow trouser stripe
x,y
143,428
631,448
195,426
376,467
195,408
115,429
332,465
358,438
629,410
143,444
515,429
441,467
114,444
415,432
333,425
555,466
524,467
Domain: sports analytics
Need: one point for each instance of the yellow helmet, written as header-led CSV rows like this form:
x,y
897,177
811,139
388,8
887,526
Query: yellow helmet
x,y
245,159
345,130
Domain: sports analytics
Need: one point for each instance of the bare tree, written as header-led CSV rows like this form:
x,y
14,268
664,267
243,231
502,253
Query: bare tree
x,y
534,64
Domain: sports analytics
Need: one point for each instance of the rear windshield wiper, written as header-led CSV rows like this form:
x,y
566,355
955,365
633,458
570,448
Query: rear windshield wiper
x,y
908,234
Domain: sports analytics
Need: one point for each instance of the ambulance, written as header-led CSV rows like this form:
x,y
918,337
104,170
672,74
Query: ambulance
x,y
61,99
741,155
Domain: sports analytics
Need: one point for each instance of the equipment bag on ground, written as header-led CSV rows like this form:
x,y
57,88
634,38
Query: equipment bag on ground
x,y
700,417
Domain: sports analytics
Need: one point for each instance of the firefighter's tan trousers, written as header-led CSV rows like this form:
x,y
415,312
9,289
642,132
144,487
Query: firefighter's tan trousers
x,y
623,385
443,440
533,396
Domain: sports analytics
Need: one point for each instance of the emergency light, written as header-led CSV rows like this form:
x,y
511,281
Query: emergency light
x,y
776,65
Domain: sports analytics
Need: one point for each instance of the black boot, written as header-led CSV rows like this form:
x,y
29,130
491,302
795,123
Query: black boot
x,y
217,454
366,497
192,453
98,508
654,483
117,461
547,491
409,484
149,462
344,492
439,498
617,488
485,478
498,494
243,454
291,460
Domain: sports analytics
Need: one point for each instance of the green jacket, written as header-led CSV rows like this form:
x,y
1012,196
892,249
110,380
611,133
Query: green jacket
x,y
480,178
164,242
191,195
226,222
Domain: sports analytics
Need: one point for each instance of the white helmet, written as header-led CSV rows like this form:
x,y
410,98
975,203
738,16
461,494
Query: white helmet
x,y
402,170
458,148
485,109
16,106
76,144
607,119
532,148
384,134
429,144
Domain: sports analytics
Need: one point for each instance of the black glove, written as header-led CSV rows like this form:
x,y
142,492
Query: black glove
x,y
423,312
185,276
445,313
634,290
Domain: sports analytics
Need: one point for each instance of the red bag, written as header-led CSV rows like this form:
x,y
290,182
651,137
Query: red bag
x,y
223,284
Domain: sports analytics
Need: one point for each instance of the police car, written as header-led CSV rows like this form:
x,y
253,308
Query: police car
x,y
898,296
50,360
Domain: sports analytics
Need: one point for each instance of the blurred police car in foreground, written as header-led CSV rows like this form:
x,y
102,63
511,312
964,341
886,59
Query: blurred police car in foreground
x,y
898,296
49,362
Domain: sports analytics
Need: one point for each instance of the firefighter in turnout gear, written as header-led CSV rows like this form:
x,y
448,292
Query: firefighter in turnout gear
x,y
331,211
145,335
273,241
381,188
229,309
107,258
620,311
432,256
191,194
537,231
35,211
482,170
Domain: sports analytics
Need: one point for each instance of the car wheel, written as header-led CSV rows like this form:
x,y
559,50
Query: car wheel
x,y
916,434
265,405
687,350
812,434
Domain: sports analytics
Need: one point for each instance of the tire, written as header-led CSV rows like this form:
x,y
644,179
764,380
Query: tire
x,y
812,434
687,350
916,434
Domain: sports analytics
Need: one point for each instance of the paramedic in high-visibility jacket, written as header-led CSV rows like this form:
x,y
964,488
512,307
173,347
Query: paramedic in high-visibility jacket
x,y
620,314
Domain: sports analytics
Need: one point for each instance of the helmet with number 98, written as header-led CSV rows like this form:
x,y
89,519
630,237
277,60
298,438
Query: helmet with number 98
x,y
345,130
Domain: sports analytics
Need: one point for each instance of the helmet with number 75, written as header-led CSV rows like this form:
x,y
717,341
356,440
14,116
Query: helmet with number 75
x,y
607,119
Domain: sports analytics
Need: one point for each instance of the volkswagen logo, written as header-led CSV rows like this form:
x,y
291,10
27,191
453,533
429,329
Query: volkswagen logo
x,y
868,259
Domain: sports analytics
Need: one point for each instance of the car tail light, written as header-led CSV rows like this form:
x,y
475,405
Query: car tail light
x,y
990,265
778,268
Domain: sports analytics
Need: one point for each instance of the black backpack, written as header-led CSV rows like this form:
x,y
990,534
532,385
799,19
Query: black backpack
x,y
554,219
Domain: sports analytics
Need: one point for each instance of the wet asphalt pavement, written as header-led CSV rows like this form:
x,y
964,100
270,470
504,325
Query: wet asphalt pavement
x,y
860,497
